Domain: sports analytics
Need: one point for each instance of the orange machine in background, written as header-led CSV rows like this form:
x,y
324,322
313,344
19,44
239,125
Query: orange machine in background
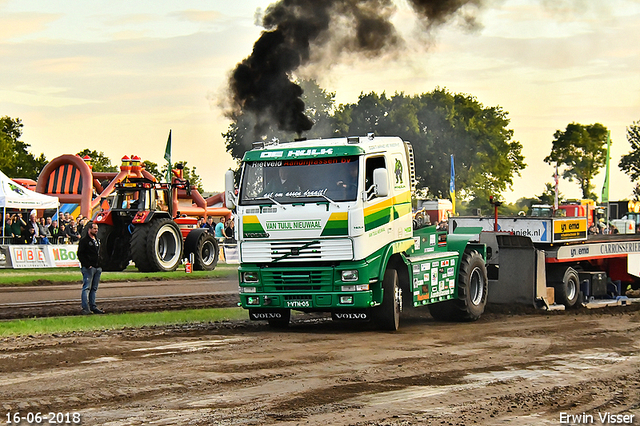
x,y
71,179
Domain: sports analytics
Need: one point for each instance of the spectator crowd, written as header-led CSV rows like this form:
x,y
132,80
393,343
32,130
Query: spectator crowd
x,y
20,229
224,230
28,228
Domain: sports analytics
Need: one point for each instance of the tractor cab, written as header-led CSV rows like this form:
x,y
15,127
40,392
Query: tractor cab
x,y
137,200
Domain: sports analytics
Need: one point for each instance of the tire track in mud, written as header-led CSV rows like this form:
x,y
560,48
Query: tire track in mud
x,y
119,305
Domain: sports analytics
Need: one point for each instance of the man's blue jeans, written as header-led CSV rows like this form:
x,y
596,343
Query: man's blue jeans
x,y
90,281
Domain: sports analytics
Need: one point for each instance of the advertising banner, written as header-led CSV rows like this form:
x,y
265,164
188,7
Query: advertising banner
x,y
570,229
39,256
540,230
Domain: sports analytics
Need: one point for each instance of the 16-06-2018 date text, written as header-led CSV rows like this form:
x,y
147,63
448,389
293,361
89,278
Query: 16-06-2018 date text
x,y
50,418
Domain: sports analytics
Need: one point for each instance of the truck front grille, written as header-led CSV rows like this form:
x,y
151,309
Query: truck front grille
x,y
288,281
296,251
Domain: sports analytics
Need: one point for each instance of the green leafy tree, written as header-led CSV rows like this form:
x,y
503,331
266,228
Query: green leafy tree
x,y
636,192
582,150
630,163
548,196
99,161
440,124
152,168
520,207
189,174
15,158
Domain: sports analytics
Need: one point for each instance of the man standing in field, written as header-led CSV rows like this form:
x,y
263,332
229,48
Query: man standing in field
x,y
88,255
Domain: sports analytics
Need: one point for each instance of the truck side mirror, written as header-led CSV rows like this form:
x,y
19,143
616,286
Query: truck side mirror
x,y
381,182
229,194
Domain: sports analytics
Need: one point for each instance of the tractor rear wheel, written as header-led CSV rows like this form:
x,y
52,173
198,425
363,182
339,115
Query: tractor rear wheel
x,y
157,246
204,248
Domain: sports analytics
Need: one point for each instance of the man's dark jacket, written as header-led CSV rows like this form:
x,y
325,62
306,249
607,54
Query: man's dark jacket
x,y
88,250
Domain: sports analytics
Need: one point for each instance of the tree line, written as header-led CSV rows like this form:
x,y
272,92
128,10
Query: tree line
x,y
438,123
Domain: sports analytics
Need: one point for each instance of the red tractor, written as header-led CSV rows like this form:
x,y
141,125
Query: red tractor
x,y
141,225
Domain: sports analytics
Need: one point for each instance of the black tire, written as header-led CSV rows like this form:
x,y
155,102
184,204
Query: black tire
x,y
281,322
157,246
205,249
567,287
387,315
473,287
114,248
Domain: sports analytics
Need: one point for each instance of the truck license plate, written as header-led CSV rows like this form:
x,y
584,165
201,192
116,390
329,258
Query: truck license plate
x,y
298,304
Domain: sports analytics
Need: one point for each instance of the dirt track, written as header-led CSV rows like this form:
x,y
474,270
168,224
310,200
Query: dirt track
x,y
504,369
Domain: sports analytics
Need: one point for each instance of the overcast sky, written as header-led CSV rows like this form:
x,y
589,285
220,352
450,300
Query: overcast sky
x,y
116,76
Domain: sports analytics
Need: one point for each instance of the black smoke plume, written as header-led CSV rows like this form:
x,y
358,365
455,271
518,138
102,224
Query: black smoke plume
x,y
262,83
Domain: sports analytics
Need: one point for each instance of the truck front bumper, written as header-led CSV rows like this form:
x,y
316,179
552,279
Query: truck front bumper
x,y
317,302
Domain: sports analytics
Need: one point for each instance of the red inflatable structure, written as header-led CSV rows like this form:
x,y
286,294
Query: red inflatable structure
x,y
71,179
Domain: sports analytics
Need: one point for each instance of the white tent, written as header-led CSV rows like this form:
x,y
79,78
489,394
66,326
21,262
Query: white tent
x,y
14,196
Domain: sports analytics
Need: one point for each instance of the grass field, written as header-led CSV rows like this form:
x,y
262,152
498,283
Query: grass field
x,y
18,277
34,326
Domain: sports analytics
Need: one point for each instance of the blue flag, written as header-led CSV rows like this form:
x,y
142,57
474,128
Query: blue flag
x,y
452,187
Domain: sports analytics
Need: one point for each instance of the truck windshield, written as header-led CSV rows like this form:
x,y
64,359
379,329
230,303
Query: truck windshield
x,y
294,181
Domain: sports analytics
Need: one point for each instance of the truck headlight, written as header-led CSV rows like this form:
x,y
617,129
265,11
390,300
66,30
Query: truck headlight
x,y
248,289
346,300
358,287
350,275
253,300
250,277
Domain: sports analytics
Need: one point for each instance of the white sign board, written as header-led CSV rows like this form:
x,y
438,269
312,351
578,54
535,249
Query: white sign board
x,y
604,249
539,230
43,256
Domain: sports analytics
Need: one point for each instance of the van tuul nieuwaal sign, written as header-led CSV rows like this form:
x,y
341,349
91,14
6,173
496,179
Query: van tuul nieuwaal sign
x,y
293,225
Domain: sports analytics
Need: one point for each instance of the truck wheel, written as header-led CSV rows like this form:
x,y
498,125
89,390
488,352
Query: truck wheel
x,y
157,247
567,291
205,250
387,315
282,322
114,249
473,287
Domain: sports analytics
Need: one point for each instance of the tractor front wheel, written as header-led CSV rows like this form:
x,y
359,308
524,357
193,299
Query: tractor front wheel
x,y
157,246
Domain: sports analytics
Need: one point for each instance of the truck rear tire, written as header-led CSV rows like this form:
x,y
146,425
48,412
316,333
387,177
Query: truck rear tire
x,y
205,250
387,315
114,249
567,291
157,247
473,287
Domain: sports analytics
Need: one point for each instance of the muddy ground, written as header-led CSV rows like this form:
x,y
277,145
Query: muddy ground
x,y
527,368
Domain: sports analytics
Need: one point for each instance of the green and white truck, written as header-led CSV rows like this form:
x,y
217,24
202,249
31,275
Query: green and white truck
x,y
325,225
